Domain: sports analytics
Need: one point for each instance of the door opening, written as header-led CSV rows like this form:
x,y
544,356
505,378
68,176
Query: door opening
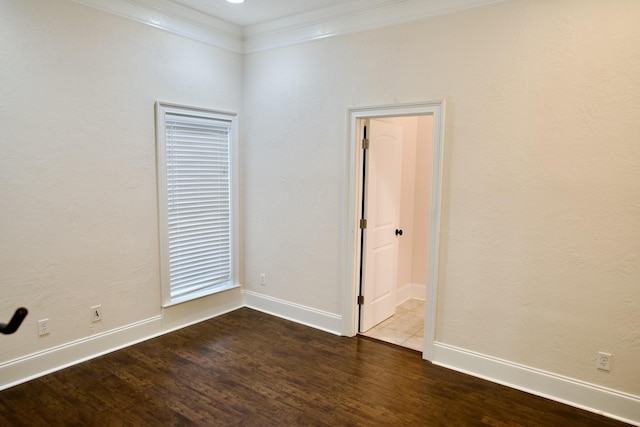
x,y
394,209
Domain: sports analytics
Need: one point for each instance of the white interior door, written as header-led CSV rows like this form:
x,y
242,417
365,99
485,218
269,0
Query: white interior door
x,y
382,212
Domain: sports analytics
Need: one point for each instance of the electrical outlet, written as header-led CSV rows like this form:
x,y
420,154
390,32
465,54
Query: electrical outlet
x,y
263,279
96,313
43,327
604,361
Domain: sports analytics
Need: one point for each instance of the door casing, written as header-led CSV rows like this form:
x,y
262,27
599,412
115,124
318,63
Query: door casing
x,y
353,249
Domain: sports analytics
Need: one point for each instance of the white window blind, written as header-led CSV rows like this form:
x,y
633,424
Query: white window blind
x,y
197,249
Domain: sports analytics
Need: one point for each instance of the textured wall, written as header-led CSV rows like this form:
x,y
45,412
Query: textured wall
x,y
540,259
77,162
424,159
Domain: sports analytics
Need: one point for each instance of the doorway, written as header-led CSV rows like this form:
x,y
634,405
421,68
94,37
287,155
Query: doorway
x,y
396,178
429,219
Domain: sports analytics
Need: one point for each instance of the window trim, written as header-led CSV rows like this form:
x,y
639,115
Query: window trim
x,y
161,111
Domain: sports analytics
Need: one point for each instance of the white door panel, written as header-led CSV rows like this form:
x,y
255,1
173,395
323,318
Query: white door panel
x,y
382,211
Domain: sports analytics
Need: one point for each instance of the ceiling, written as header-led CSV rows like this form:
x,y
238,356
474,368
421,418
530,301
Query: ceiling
x,y
253,12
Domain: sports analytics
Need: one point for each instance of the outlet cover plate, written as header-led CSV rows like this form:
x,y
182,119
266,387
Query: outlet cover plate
x,y
604,361
43,327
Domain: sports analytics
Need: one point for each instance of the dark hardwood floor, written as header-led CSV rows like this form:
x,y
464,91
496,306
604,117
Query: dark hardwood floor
x,y
249,368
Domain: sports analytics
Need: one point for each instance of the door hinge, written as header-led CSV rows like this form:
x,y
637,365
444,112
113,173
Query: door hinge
x,y
360,299
365,143
363,224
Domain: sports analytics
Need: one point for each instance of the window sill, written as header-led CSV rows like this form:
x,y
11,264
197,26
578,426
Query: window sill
x,y
223,287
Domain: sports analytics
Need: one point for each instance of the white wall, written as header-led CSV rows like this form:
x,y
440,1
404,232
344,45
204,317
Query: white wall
x,y
407,191
422,205
77,166
539,254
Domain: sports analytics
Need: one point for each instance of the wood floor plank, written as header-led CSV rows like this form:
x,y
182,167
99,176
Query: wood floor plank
x,y
250,369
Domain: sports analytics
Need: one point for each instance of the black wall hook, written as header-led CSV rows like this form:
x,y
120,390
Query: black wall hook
x,y
15,321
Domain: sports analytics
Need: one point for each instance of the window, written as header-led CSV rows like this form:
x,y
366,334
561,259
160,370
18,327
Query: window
x,y
195,197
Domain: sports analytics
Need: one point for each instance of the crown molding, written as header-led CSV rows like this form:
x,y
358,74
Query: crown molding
x,y
348,19
175,19
330,22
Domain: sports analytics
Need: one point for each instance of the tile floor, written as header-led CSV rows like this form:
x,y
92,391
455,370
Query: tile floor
x,y
405,328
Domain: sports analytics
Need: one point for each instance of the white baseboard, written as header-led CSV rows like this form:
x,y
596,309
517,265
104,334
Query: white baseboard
x,y
38,364
419,291
403,294
409,291
613,404
308,316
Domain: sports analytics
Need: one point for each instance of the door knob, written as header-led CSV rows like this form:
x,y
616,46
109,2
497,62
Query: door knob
x,y
398,232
